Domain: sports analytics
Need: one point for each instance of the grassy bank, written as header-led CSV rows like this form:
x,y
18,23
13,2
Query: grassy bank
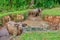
x,y
24,12
41,36
53,12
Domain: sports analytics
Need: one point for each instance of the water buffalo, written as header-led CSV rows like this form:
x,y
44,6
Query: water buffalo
x,y
35,12
15,28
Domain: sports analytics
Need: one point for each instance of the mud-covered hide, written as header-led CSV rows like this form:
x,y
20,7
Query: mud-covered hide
x,y
14,28
20,28
35,12
11,27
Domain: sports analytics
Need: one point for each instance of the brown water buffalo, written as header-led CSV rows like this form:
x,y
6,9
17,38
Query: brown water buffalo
x,y
11,27
35,12
15,28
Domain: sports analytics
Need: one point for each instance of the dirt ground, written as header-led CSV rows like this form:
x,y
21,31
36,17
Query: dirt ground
x,y
39,22
35,22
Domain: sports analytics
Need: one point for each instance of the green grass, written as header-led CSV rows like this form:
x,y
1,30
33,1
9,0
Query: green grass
x,y
25,12
41,36
53,12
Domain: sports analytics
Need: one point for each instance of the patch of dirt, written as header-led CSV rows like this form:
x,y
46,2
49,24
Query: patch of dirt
x,y
36,22
52,22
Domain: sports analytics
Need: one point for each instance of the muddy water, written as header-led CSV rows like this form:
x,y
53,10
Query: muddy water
x,y
5,38
4,35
